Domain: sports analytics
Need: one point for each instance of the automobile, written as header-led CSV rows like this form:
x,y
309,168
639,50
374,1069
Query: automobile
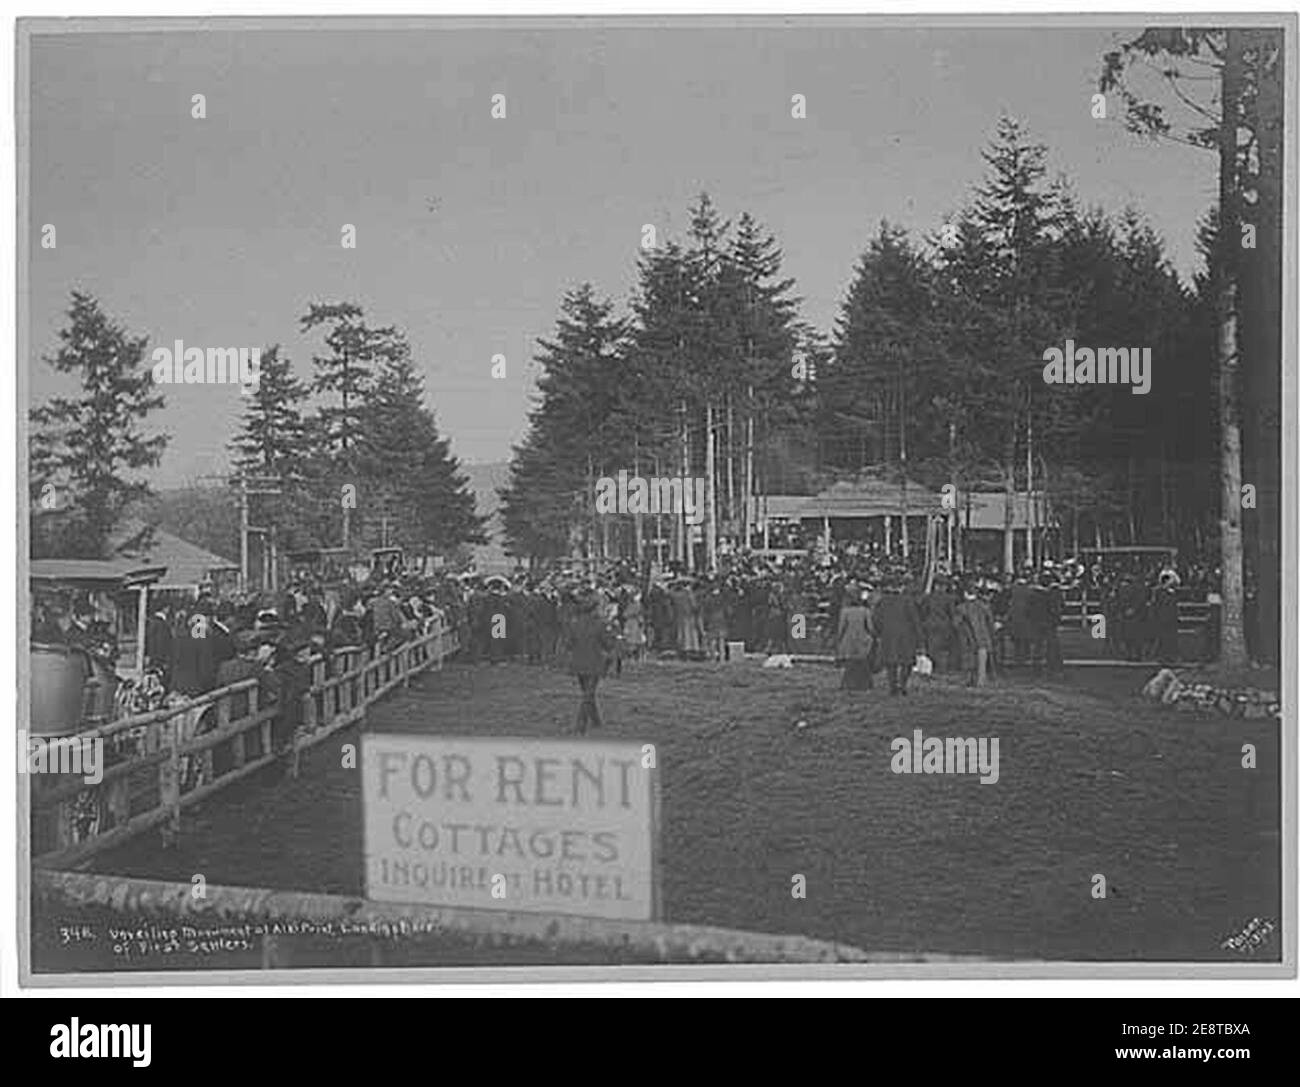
x,y
84,612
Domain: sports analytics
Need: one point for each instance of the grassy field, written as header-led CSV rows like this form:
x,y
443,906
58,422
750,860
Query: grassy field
x,y
1092,780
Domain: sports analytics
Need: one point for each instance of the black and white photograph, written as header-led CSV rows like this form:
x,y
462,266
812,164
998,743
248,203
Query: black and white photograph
x,y
714,497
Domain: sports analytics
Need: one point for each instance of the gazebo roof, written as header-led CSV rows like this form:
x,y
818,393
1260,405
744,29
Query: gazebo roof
x,y
861,498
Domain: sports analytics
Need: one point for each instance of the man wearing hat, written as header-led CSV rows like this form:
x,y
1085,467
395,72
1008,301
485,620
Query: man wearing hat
x,y
898,621
975,632
590,645
251,654
386,616
1164,617
291,680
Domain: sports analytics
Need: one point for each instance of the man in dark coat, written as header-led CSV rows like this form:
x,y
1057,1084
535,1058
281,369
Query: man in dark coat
x,y
898,627
1133,617
291,681
158,644
590,644
194,665
223,641
1021,620
937,608
531,609
714,617
1045,615
548,623
346,629
975,633
387,617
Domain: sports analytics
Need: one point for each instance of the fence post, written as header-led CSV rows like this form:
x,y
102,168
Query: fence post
x,y
265,728
308,726
238,750
169,782
223,724
117,802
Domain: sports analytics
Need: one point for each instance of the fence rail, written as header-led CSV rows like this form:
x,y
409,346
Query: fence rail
x,y
157,764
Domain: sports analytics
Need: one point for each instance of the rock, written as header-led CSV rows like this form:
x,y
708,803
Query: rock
x,y
1159,683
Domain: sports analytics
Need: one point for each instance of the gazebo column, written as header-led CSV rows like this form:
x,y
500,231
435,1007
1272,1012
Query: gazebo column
x,y
141,619
826,532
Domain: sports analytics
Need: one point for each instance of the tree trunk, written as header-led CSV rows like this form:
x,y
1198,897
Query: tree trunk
x,y
1260,286
710,492
731,473
1029,477
1008,525
638,533
749,465
688,542
1232,641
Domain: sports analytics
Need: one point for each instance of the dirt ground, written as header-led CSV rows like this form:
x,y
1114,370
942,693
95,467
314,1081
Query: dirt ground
x,y
1092,780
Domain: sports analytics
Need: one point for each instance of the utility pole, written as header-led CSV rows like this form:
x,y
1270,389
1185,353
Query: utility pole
x,y
248,486
902,454
1029,475
711,492
748,498
243,534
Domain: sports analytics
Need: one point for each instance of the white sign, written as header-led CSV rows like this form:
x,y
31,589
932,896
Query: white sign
x,y
550,826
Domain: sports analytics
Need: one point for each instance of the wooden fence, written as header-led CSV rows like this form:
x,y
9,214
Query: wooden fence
x,y
157,764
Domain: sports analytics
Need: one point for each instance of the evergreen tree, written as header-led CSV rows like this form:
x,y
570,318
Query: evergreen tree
x,y
412,492
1009,306
272,436
346,373
579,430
89,447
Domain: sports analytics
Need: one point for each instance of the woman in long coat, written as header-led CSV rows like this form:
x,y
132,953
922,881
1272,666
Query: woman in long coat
x,y
686,616
854,642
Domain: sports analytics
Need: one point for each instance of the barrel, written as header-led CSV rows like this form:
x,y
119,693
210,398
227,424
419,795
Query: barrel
x,y
59,675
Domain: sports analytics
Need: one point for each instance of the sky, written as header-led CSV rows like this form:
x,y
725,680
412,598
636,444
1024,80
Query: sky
x,y
222,231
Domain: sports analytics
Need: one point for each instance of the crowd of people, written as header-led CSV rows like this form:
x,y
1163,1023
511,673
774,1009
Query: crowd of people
x,y
193,646
872,612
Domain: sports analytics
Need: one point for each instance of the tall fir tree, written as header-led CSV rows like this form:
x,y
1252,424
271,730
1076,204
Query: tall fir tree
x,y
578,430
89,448
412,493
272,435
